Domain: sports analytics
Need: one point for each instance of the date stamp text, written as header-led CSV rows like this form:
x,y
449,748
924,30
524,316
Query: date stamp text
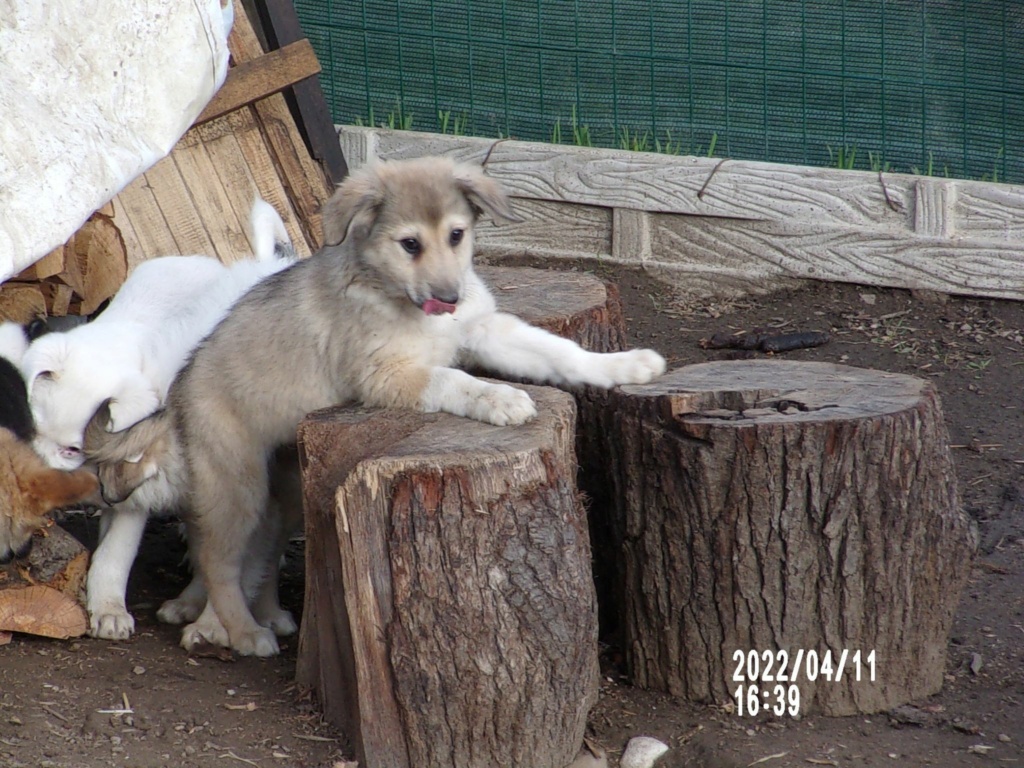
x,y
768,681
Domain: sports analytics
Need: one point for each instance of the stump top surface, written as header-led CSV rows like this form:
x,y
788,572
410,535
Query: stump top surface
x,y
745,391
537,295
424,436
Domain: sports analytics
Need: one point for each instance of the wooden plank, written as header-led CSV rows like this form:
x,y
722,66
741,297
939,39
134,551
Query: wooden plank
x,y
237,178
308,188
133,248
259,78
303,178
281,26
147,221
173,197
226,231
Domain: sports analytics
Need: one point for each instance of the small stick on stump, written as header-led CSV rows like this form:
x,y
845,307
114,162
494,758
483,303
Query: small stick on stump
x,y
774,505
40,594
450,616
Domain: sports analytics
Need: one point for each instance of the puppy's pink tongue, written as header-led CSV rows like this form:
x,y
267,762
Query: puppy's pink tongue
x,y
435,307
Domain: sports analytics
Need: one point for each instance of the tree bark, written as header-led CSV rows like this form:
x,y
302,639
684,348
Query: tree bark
x,y
781,506
587,310
450,616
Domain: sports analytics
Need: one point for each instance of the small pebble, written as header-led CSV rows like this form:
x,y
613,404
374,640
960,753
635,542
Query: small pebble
x,y
139,669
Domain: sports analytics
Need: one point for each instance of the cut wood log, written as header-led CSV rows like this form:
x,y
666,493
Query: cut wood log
x,y
42,593
781,506
450,616
585,309
75,278
21,302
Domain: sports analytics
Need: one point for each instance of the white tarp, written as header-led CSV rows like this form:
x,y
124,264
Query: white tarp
x,y
92,93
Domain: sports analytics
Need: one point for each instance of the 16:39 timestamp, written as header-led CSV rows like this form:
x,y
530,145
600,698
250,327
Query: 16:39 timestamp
x,y
780,700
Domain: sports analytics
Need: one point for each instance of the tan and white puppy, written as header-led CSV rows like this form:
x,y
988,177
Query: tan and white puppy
x,y
381,316
142,472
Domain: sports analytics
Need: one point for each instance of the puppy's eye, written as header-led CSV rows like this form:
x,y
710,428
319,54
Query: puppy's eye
x,y
455,237
412,246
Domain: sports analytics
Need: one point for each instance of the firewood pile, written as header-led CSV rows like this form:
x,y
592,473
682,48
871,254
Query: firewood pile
x,y
74,279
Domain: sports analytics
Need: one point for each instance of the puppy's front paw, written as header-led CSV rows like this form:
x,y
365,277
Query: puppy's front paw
x,y
503,405
111,622
179,611
638,366
258,642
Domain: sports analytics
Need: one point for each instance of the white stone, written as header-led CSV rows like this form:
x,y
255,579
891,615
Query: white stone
x,y
642,752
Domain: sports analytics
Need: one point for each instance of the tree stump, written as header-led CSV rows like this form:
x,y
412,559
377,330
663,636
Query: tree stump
x,y
572,305
41,594
450,616
782,506
587,310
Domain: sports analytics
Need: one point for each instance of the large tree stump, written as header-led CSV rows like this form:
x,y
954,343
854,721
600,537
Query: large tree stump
x,y
771,505
587,310
450,617
42,593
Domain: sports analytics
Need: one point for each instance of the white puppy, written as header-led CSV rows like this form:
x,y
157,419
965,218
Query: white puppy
x,y
128,357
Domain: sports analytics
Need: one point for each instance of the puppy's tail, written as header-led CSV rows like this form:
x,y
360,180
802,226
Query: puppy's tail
x,y
269,235
13,342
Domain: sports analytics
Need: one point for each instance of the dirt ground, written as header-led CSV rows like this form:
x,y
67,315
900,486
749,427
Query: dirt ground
x,y
145,702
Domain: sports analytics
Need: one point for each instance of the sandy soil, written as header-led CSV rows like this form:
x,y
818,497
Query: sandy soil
x,y
145,702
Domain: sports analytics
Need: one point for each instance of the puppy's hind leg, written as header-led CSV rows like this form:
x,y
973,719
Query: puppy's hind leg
x,y
185,607
505,344
121,529
228,502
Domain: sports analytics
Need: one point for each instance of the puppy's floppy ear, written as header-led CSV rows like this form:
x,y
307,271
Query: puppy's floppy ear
x,y
134,400
43,362
484,193
353,206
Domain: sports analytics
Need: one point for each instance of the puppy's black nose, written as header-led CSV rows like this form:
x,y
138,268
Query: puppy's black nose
x,y
448,297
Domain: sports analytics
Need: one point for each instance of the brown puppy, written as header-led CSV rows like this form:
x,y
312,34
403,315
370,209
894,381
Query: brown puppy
x,y
29,489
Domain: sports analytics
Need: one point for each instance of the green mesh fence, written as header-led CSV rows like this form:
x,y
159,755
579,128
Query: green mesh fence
x,y
924,86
